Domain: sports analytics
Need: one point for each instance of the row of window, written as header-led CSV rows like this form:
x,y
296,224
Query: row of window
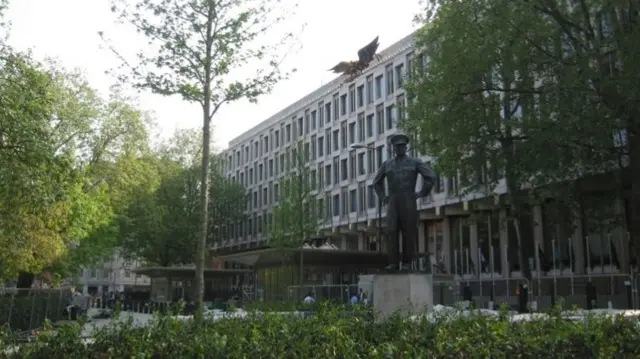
x,y
363,129
341,105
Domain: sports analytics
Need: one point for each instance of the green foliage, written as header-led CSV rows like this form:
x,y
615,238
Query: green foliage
x,y
161,226
63,151
293,219
202,51
526,91
330,334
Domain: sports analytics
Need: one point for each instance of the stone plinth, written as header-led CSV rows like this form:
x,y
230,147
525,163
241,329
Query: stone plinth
x,y
404,293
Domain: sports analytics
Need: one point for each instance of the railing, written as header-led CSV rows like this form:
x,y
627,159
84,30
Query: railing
x,y
27,309
483,293
334,293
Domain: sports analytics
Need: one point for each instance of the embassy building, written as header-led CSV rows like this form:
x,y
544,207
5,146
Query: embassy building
x,y
468,235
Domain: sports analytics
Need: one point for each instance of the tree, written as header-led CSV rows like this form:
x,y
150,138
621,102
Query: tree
x,y
228,211
198,47
160,227
489,105
59,145
294,220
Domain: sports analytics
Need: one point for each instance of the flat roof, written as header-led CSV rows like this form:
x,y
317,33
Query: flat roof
x,y
315,257
188,272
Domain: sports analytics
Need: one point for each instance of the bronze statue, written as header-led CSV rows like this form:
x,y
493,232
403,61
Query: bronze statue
x,y
401,173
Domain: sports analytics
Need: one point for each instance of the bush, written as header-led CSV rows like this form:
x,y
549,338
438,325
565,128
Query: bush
x,y
328,334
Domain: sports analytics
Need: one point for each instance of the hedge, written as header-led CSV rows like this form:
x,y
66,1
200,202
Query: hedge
x,y
328,335
26,312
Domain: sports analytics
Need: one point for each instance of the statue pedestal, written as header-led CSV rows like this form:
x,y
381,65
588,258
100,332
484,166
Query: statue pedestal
x,y
404,293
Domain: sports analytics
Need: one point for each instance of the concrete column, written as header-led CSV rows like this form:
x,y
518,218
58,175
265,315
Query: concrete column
x,y
343,242
446,245
504,242
422,238
538,233
361,240
577,243
473,244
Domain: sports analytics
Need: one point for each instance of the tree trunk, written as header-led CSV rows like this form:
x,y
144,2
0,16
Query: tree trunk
x,y
25,281
204,216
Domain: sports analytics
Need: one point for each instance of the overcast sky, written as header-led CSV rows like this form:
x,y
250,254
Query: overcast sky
x,y
336,29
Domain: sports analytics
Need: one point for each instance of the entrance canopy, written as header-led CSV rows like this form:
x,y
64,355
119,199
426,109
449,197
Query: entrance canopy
x,y
316,257
187,272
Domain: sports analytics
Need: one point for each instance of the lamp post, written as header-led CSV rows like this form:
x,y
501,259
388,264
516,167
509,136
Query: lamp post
x,y
356,146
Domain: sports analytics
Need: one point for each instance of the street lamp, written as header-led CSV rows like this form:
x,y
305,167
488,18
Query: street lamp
x,y
356,146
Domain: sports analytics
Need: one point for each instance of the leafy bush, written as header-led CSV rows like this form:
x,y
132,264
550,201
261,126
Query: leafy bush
x,y
328,334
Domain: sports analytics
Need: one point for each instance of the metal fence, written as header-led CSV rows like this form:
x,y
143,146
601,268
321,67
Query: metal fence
x,y
334,293
27,309
483,293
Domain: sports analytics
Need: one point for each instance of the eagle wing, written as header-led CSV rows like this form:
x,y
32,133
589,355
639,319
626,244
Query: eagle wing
x,y
342,67
365,54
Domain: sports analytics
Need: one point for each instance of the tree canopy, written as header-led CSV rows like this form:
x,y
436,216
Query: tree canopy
x,y
525,93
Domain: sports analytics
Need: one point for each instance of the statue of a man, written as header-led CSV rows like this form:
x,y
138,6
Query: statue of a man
x,y
401,173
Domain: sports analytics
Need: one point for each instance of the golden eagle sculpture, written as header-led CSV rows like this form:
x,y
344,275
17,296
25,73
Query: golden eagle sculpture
x,y
354,68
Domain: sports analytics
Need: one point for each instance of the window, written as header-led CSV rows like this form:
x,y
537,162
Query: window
x,y
352,98
400,75
344,169
320,146
314,120
313,147
380,155
361,165
336,107
327,136
400,105
362,197
320,175
361,127
371,159
352,165
343,105
360,94
276,137
288,134
344,193
380,119
327,175
336,140
336,205
352,133
343,131
369,89
353,197
390,117
389,72
336,170
371,197
300,127
321,115
378,87
370,125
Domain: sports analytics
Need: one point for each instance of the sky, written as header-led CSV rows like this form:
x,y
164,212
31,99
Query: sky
x,y
67,30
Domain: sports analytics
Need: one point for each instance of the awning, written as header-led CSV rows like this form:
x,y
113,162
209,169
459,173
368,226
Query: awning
x,y
187,272
326,256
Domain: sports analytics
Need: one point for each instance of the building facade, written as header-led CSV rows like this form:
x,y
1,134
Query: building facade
x,y
115,275
468,234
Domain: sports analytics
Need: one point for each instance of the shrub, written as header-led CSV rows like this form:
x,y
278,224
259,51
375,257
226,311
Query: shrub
x,y
328,334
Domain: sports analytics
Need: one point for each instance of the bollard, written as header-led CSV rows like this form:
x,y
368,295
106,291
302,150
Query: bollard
x,y
591,295
523,297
